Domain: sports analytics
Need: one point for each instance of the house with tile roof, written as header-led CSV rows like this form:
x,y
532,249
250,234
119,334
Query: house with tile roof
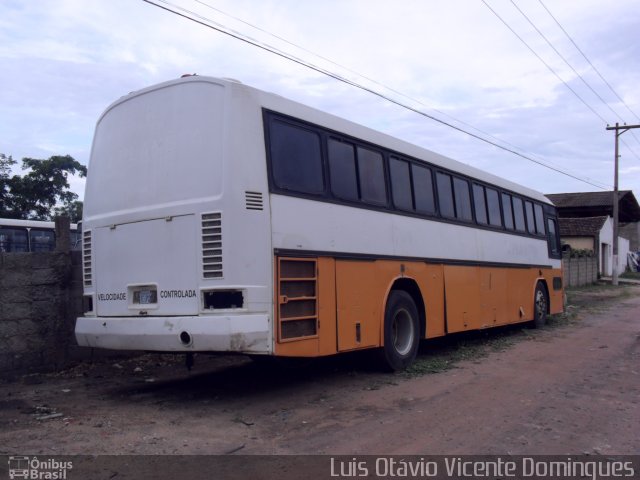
x,y
586,222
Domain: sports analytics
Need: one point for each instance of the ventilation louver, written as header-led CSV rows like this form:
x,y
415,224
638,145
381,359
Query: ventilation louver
x,y
86,258
253,200
212,245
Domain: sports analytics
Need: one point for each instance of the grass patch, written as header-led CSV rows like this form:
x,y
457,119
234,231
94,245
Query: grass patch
x,y
445,353
631,275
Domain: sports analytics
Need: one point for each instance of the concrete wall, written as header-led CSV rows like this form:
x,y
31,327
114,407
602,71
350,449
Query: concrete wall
x,y
40,298
579,271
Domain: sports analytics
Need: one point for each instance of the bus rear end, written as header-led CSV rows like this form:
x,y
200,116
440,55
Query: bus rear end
x,y
175,254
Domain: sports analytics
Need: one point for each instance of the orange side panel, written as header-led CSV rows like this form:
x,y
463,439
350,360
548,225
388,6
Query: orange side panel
x,y
493,291
462,290
430,280
352,293
556,297
360,287
521,284
327,306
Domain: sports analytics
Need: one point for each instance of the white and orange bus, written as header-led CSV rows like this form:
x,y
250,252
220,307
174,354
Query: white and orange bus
x,y
222,218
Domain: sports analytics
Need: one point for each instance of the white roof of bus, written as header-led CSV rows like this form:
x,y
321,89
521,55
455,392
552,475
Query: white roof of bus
x,y
11,222
289,107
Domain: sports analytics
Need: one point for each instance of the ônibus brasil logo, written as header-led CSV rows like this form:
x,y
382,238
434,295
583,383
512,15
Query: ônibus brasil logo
x,y
32,468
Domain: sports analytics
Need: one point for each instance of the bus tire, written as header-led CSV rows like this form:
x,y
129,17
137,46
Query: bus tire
x,y
540,306
401,332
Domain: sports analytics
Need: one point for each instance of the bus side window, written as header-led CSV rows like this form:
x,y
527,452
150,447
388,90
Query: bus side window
x,y
76,240
518,214
493,206
400,184
42,240
463,199
539,219
296,158
445,195
423,190
342,169
371,175
480,204
531,224
552,237
14,239
507,211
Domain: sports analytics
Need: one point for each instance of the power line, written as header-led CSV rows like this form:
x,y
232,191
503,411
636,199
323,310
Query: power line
x,y
238,36
588,61
565,60
369,79
542,60
593,67
630,149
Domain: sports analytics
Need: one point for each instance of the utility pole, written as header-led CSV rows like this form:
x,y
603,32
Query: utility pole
x,y
620,129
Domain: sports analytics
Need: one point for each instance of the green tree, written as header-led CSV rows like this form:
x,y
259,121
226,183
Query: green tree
x,y
5,170
72,210
43,191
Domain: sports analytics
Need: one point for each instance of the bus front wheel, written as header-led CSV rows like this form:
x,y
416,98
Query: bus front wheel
x,y
401,331
540,306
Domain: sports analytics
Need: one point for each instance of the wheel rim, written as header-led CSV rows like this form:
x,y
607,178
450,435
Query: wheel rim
x,y
402,329
541,304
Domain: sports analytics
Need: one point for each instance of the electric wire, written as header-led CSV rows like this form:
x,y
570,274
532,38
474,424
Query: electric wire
x,y
369,79
553,71
595,70
616,115
588,61
199,19
629,148
543,61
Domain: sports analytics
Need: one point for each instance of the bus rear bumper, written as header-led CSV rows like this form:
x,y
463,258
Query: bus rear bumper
x,y
248,333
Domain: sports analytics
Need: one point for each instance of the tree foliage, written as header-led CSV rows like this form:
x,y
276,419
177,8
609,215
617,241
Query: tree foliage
x,y
43,191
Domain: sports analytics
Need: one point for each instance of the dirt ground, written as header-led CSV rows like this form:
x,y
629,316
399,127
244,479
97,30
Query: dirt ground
x,y
570,388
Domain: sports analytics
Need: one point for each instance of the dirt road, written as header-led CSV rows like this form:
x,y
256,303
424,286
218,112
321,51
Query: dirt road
x,y
569,389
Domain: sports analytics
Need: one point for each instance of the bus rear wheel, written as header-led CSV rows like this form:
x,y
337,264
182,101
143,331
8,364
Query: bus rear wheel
x,y
401,332
540,306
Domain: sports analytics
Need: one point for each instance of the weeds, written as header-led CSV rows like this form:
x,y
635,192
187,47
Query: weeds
x,y
445,353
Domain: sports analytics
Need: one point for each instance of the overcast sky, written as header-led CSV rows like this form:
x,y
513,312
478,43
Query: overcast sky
x,y
62,62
